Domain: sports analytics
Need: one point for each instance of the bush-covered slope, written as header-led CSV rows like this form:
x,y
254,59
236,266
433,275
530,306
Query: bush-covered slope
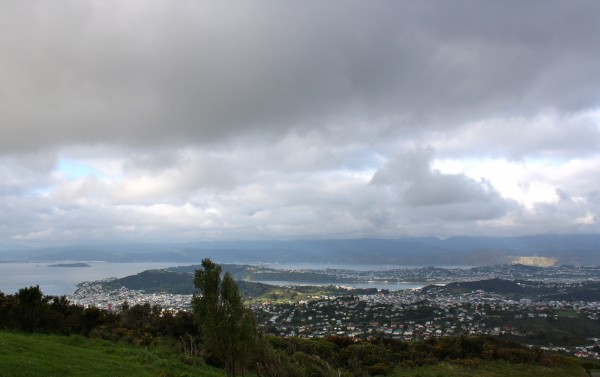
x,y
497,368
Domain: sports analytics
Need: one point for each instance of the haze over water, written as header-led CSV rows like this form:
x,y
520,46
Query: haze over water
x,y
64,280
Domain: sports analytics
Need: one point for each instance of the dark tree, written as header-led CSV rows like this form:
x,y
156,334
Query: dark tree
x,y
31,303
227,325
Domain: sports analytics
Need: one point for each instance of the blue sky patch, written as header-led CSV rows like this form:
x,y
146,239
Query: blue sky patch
x,y
75,169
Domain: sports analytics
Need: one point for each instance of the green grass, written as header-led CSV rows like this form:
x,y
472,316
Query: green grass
x,y
42,355
39,355
496,368
566,314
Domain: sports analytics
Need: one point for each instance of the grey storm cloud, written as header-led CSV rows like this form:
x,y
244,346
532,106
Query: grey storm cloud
x,y
449,196
197,72
22,175
186,120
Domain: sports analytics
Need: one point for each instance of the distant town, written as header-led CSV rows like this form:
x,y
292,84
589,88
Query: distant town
x,y
556,308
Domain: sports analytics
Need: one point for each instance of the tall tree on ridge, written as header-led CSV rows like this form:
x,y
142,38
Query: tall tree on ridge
x,y
228,327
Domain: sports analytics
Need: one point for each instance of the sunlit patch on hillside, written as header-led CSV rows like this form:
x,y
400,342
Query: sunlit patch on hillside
x,y
535,261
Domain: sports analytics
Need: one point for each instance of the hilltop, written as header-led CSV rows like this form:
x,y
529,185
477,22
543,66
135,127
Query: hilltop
x,y
471,251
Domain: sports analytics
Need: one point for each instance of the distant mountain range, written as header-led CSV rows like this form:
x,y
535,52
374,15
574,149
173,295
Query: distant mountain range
x,y
472,251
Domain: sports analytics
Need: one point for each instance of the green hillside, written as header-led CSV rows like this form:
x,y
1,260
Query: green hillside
x,y
177,282
41,355
517,289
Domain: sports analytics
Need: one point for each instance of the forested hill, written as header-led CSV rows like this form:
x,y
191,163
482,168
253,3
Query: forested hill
x,y
180,280
576,291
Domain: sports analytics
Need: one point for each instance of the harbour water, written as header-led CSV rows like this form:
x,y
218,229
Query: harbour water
x,y
389,286
344,266
63,280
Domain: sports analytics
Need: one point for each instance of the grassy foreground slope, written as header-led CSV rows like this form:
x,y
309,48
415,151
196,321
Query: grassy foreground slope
x,y
34,355
42,355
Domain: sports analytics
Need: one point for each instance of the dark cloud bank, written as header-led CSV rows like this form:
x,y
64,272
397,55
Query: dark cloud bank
x,y
229,120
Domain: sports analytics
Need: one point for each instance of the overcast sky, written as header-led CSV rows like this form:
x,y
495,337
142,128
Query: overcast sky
x,y
161,120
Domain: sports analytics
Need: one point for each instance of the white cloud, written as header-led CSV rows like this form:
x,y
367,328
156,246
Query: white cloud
x,y
547,134
199,120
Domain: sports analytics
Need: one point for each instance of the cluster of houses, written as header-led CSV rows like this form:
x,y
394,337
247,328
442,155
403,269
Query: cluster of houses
x,y
406,315
414,315
94,294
